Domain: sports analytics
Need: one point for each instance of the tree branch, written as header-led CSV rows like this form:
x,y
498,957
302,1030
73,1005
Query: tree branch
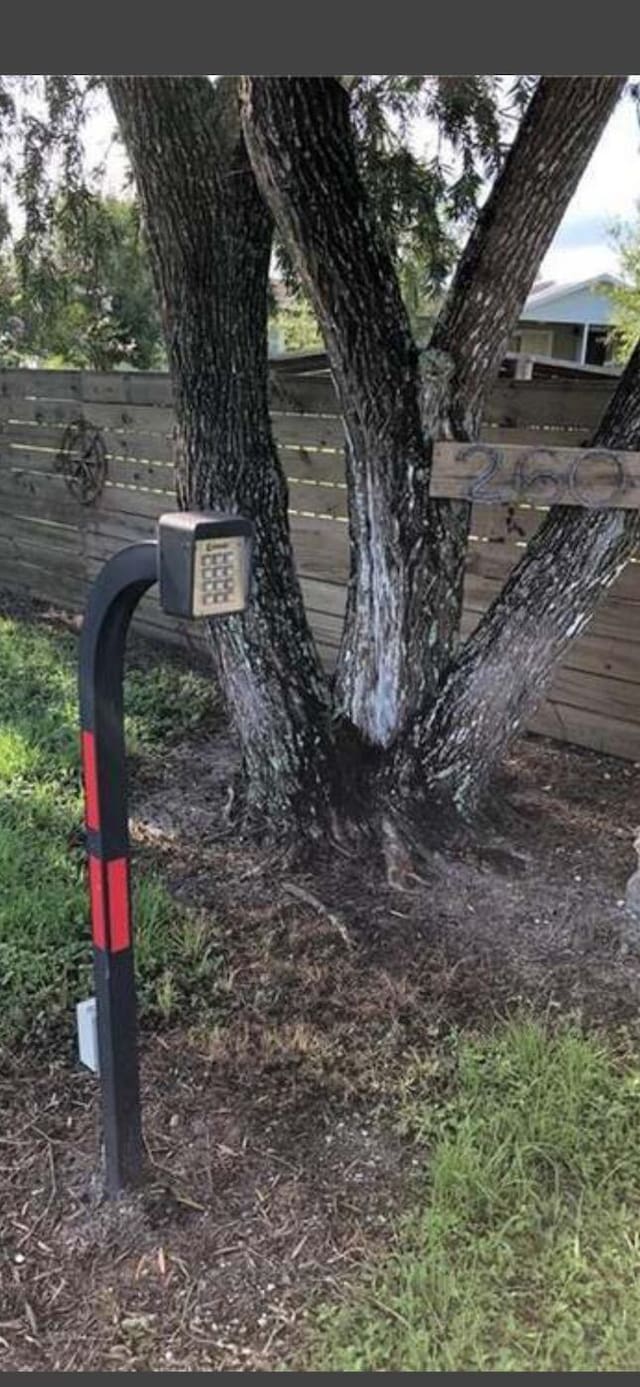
x,y
558,134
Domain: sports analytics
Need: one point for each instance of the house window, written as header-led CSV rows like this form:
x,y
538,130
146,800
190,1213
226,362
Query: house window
x,y
597,345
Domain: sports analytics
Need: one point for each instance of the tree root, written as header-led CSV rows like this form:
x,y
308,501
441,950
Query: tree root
x,y
301,894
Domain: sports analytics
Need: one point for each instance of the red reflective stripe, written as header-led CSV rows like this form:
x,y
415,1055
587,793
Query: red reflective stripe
x,y
90,772
96,892
118,892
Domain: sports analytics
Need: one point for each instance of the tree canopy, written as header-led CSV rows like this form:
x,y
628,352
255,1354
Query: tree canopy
x,y
82,295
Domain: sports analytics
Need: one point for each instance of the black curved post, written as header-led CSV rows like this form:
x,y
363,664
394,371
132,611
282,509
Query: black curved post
x,y
112,601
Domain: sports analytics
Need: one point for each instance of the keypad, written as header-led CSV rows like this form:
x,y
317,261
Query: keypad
x,y
218,576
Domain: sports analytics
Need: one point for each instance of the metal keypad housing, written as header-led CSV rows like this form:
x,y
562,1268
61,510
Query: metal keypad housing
x,y
204,563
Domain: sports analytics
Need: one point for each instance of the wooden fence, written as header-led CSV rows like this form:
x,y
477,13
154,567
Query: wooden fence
x,y
51,545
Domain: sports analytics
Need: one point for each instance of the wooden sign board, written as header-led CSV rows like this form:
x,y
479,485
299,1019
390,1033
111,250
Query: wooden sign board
x,y
598,478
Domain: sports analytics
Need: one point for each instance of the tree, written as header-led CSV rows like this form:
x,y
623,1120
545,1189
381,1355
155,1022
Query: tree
x,y
626,296
83,294
409,721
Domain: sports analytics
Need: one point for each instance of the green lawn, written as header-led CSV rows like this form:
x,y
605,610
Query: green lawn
x,y
44,929
521,1250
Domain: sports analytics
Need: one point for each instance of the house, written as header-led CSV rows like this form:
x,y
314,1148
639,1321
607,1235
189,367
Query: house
x,y
569,322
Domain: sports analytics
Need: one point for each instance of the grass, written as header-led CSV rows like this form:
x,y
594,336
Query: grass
x,y
521,1250
44,929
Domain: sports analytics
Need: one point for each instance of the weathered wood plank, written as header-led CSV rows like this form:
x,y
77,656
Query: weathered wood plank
x,y
135,387
327,598
617,618
148,455
514,403
495,474
314,431
145,476
594,652
45,532
308,499
50,560
307,464
321,548
552,438
527,404
582,727
23,485
115,416
18,575
303,394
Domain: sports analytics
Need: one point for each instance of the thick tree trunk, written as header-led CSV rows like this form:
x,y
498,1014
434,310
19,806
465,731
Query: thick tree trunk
x,y
300,142
210,236
508,662
408,552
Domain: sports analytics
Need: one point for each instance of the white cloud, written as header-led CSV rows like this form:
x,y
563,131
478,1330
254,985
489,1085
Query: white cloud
x,y
608,191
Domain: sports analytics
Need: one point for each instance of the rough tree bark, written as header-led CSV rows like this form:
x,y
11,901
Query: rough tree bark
x,y
210,236
407,551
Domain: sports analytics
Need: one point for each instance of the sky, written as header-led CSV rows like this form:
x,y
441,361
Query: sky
x,y
609,191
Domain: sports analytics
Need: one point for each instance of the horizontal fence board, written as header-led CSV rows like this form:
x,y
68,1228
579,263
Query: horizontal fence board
x,y
615,619
302,394
505,525
585,728
18,574
553,404
617,698
321,548
594,653
24,486
49,558
327,502
45,532
307,464
135,387
116,416
309,430
551,438
327,598
151,455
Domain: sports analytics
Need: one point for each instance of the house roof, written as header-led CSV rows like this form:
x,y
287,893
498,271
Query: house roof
x,y
547,290
581,302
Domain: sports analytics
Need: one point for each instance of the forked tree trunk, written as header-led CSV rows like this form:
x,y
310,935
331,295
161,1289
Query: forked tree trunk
x,y
407,552
210,236
508,662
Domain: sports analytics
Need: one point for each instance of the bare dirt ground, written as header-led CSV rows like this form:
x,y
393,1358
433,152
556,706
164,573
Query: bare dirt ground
x,y
274,1166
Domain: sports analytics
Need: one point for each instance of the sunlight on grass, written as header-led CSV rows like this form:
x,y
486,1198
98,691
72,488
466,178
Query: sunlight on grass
x,y
45,956
524,1251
